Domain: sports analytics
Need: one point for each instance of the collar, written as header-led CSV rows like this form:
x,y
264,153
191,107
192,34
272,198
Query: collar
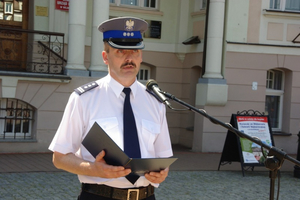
x,y
118,88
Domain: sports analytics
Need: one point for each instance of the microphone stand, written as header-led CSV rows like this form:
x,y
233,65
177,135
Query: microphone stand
x,y
275,157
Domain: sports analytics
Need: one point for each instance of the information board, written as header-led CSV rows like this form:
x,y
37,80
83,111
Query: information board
x,y
248,153
254,126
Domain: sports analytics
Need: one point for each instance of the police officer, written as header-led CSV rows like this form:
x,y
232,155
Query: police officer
x,y
102,101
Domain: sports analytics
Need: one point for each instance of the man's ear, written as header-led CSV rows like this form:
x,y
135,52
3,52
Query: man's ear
x,y
105,57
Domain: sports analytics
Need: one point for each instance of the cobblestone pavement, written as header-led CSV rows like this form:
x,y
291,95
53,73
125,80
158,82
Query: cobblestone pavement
x,y
180,185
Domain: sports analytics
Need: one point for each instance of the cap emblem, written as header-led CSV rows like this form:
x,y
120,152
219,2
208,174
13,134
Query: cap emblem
x,y
129,25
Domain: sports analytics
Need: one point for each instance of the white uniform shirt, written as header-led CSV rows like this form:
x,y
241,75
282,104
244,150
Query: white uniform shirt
x,y
104,105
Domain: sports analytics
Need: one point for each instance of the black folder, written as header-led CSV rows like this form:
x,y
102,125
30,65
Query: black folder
x,y
97,140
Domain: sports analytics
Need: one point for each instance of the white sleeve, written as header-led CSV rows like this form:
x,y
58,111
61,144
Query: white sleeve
x,y
71,129
163,147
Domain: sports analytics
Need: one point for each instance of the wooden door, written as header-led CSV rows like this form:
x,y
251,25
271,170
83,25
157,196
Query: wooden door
x,y
13,45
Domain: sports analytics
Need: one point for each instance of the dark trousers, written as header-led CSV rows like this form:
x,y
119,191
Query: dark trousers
x,y
88,196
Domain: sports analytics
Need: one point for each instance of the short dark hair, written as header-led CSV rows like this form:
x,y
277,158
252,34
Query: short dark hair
x,y
106,47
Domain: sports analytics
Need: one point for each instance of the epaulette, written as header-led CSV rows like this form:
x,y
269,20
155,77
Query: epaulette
x,y
84,88
152,93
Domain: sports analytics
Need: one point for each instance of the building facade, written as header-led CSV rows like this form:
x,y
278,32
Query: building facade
x,y
222,56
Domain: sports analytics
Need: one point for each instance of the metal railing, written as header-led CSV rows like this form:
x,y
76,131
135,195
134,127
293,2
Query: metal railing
x,y
31,51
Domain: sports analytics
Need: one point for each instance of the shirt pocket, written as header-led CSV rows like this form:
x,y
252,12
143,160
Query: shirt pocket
x,y
111,127
150,131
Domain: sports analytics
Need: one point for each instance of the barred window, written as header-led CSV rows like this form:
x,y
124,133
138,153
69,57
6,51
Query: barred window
x,y
16,119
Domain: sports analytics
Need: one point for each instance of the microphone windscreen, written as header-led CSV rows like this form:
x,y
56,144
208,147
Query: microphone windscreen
x,y
150,83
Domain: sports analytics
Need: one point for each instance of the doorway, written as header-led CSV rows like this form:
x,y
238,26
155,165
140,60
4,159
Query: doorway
x,y
13,44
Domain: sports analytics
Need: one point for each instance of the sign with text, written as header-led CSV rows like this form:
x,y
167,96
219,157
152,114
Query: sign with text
x,y
254,126
239,149
41,11
62,5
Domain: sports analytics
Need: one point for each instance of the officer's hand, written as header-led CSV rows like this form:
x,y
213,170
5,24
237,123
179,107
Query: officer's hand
x,y
157,177
109,171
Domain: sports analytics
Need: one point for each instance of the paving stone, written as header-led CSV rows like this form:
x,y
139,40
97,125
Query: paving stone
x,y
180,185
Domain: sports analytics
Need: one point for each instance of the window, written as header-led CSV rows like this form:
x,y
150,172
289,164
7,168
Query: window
x,y
150,3
15,119
274,98
144,74
275,4
8,8
292,5
129,2
285,5
200,5
139,3
203,4
11,10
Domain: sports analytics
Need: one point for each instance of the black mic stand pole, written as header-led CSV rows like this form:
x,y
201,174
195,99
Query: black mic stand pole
x,y
275,157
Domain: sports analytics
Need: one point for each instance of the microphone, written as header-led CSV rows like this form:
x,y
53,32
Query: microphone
x,y
154,89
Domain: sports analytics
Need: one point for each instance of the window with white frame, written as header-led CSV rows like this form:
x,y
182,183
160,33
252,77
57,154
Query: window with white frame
x,y
150,3
8,7
144,74
11,10
274,98
285,5
139,3
130,2
16,119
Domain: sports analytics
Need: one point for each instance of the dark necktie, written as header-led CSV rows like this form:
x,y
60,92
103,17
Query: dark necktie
x,y
131,141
